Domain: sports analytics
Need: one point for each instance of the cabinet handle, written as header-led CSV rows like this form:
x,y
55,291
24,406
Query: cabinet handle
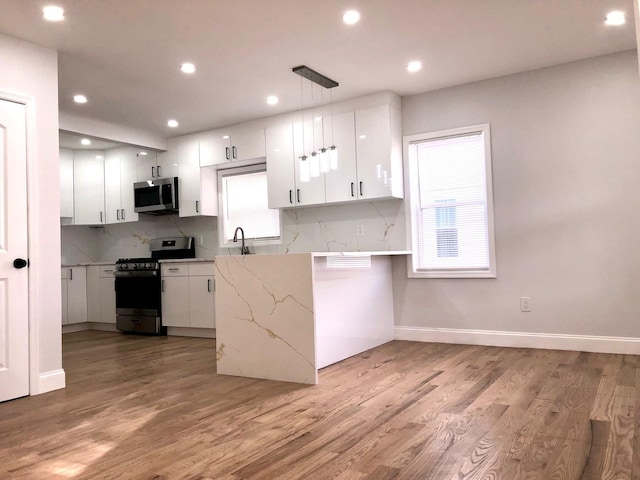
x,y
162,285
361,189
100,216
117,214
208,284
290,196
352,190
153,172
235,151
197,209
122,214
226,152
108,270
71,274
159,174
298,195
174,269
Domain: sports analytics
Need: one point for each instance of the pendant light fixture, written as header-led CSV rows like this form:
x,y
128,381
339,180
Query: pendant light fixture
x,y
325,158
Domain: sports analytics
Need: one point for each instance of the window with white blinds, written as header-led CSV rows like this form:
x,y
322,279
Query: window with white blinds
x,y
451,203
243,195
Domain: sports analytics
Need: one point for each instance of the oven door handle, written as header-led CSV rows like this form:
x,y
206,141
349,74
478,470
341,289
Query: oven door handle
x,y
138,273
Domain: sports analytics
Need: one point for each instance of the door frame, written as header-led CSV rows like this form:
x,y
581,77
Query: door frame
x,y
32,293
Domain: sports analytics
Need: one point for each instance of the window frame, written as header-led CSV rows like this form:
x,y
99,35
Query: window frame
x,y
411,166
228,170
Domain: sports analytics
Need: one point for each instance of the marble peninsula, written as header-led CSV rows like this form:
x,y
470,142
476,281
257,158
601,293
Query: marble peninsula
x,y
285,316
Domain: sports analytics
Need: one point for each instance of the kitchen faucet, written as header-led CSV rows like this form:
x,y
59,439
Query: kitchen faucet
x,y
243,249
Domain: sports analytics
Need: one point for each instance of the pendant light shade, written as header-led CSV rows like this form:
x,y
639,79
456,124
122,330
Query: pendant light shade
x,y
314,165
325,163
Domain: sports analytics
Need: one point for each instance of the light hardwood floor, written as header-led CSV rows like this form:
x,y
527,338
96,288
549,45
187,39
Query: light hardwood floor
x,y
154,408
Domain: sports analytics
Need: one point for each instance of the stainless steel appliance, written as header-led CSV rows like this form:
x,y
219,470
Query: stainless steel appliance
x,y
156,197
138,286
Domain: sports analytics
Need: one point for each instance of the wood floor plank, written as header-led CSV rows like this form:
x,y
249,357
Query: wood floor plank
x,y
153,408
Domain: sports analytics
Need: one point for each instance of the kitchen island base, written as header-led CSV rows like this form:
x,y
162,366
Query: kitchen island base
x,y
285,316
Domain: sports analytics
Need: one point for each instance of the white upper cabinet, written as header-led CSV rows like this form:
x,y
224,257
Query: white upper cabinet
x,y
197,188
280,166
309,182
341,182
88,187
160,165
66,182
379,152
229,145
120,169
288,175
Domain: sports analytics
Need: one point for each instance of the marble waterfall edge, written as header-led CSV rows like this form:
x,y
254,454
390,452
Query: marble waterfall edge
x,y
264,320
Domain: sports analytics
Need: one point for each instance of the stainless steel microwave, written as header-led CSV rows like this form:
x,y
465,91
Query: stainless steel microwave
x,y
159,196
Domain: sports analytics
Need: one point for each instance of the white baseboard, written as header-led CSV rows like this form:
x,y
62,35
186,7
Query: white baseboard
x,y
192,332
75,327
103,327
49,381
549,341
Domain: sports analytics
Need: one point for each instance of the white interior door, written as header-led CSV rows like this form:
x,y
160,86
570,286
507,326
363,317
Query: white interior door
x,y
14,288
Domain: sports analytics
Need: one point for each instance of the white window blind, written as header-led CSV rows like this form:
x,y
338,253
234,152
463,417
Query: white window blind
x,y
450,216
244,203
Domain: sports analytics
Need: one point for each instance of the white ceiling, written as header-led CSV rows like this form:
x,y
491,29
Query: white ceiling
x,y
124,54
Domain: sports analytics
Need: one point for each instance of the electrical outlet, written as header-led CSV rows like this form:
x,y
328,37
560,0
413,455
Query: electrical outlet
x,y
360,230
525,304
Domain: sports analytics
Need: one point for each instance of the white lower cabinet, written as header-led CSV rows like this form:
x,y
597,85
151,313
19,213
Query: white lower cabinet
x,y
188,295
101,294
74,295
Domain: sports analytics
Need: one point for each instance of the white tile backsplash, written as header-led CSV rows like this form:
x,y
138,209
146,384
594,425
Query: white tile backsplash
x,y
314,229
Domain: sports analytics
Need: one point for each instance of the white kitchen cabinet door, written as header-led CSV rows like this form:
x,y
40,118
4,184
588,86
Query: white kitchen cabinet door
x,y
112,185
88,187
107,300
147,166
201,300
93,293
175,301
378,153
128,176
215,148
310,190
341,183
66,183
77,294
248,145
167,164
189,179
280,166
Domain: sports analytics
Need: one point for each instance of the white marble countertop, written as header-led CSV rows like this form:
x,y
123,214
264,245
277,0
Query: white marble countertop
x,y
87,264
361,254
184,260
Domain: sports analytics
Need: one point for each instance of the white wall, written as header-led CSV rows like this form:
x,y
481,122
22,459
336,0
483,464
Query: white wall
x,y
566,181
31,71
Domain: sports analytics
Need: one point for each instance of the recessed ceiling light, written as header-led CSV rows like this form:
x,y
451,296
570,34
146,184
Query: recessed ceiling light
x,y
225,137
615,17
142,153
85,141
414,66
53,13
188,68
172,123
80,99
272,100
362,137
351,17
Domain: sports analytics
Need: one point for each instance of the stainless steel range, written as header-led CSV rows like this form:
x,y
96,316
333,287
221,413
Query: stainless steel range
x,y
138,286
